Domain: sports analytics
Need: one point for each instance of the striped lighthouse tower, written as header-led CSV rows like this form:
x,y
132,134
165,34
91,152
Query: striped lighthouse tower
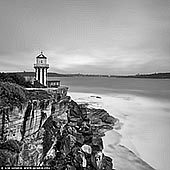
x,y
41,67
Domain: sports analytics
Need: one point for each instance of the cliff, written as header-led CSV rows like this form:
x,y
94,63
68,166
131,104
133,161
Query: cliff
x,y
51,131
45,127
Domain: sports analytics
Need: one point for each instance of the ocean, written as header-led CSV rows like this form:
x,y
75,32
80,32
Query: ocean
x,y
142,105
103,85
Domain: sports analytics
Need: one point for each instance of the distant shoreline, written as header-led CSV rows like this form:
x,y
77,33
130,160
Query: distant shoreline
x,y
165,75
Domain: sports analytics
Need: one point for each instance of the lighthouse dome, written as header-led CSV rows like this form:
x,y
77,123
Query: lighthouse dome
x,y
42,56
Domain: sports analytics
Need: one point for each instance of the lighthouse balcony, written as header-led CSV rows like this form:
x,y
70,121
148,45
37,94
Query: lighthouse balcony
x,y
41,65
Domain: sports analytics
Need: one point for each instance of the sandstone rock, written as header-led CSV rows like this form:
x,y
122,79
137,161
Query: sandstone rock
x,y
97,141
86,148
69,138
107,163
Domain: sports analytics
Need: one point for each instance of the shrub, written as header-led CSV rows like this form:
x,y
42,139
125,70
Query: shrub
x,y
11,94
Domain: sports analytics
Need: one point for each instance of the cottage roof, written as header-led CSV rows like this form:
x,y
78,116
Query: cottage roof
x,y
41,56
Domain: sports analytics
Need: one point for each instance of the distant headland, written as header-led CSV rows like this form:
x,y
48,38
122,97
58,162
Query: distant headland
x,y
165,75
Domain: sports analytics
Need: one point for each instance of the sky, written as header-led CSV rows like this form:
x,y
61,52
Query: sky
x,y
86,36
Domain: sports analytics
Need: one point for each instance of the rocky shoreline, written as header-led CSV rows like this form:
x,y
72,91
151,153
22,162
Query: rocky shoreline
x,y
122,157
78,143
53,130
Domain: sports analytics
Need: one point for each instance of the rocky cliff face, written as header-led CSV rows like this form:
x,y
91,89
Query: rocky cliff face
x,y
54,131
47,128
75,142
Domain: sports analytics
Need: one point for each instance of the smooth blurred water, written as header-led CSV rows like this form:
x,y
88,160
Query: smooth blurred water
x,y
156,88
145,102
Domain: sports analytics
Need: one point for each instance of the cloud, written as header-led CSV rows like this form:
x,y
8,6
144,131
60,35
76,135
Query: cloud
x,y
86,36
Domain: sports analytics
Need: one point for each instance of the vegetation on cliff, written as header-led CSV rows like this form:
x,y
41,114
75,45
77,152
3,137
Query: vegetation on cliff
x,y
12,94
15,78
37,95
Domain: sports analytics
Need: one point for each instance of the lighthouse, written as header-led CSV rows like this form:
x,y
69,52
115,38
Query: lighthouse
x,y
41,68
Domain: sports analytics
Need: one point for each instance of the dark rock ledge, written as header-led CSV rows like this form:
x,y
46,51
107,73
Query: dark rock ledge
x,y
77,144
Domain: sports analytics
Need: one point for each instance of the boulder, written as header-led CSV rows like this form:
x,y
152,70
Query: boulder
x,y
107,163
97,141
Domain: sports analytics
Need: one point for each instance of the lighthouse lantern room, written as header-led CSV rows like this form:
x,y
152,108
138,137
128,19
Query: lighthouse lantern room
x,y
41,68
